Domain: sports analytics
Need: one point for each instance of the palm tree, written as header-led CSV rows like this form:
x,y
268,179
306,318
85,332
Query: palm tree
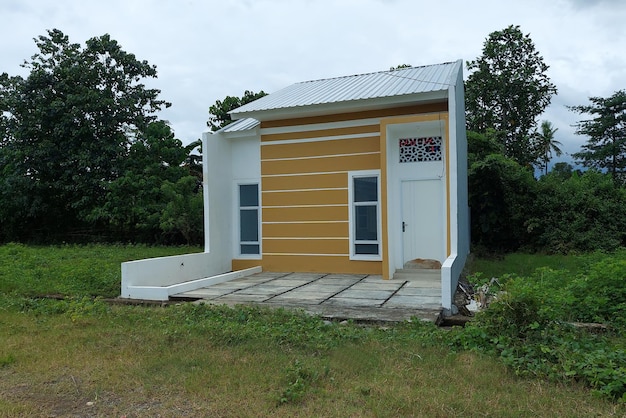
x,y
547,143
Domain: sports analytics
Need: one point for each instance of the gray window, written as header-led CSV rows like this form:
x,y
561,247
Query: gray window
x,y
249,219
365,215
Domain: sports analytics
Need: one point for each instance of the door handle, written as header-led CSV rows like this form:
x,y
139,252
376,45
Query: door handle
x,y
404,225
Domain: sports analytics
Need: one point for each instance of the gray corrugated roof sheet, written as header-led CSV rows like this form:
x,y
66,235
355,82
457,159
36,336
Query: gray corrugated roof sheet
x,y
413,80
240,125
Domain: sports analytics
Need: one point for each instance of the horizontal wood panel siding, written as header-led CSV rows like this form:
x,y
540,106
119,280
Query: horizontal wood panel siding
x,y
351,130
304,214
241,264
310,197
304,172
302,230
320,165
306,246
315,149
308,181
319,264
340,117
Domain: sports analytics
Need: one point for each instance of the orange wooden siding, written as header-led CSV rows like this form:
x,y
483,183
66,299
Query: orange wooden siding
x,y
320,148
319,264
301,230
309,197
319,165
306,246
306,181
304,214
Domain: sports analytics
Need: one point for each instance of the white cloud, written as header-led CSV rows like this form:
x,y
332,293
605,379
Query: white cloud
x,y
205,50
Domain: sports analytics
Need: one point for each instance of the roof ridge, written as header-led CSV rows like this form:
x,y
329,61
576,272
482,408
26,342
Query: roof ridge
x,y
375,72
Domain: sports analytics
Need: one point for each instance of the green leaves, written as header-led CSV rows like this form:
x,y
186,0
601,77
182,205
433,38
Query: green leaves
x,y
219,116
606,147
81,149
506,91
526,327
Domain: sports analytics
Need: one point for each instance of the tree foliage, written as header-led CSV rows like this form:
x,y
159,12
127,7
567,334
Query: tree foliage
x,y
583,212
136,201
606,146
219,116
80,148
547,144
507,90
500,191
563,211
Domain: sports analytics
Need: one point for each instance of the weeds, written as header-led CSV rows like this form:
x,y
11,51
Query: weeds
x,y
6,360
528,327
300,379
226,360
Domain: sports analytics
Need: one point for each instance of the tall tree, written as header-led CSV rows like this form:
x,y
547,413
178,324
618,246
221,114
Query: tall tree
x,y
219,116
67,128
547,144
135,202
606,147
507,90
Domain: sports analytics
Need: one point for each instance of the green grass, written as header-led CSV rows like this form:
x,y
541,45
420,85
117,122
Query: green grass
x,y
71,270
83,357
523,264
196,361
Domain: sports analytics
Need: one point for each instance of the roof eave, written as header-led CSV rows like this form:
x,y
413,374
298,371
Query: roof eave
x,y
343,107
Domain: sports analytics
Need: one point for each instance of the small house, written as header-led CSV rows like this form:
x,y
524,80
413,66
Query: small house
x,y
363,174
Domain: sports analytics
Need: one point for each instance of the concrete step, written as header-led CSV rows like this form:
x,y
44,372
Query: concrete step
x,y
420,277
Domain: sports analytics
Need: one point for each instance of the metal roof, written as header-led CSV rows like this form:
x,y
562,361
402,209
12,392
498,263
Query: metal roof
x,y
240,125
379,85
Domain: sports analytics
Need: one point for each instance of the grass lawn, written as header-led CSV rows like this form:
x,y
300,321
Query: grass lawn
x,y
82,357
525,264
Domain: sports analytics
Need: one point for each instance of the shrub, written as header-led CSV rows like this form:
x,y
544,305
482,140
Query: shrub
x,y
528,326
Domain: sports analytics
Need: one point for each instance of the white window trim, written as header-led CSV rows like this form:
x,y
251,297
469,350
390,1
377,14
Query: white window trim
x,y
237,230
351,205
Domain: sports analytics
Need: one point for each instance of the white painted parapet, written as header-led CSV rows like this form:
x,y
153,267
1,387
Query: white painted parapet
x,y
451,270
159,278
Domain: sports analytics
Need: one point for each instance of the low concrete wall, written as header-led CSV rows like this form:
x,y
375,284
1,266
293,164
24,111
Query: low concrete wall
x,y
450,272
158,278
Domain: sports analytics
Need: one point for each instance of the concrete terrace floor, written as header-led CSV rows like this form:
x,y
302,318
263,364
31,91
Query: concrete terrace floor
x,y
366,298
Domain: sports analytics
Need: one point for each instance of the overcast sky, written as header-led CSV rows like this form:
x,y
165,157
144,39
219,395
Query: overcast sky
x,y
206,50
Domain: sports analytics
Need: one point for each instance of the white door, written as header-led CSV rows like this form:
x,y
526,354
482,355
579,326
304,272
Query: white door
x,y
423,232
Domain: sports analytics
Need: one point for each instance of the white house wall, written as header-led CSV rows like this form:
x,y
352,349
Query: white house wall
x,y
459,234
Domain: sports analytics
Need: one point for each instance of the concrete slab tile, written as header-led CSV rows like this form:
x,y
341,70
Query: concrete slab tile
x,y
206,292
268,274
374,278
236,297
288,282
365,294
416,302
311,276
297,299
322,288
339,281
264,289
383,285
353,302
345,276
424,283
296,294
418,291
252,280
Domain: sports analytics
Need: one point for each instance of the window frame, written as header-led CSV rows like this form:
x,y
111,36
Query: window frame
x,y
240,208
352,205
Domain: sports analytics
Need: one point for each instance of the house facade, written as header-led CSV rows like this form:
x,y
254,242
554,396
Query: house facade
x,y
363,174
359,174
